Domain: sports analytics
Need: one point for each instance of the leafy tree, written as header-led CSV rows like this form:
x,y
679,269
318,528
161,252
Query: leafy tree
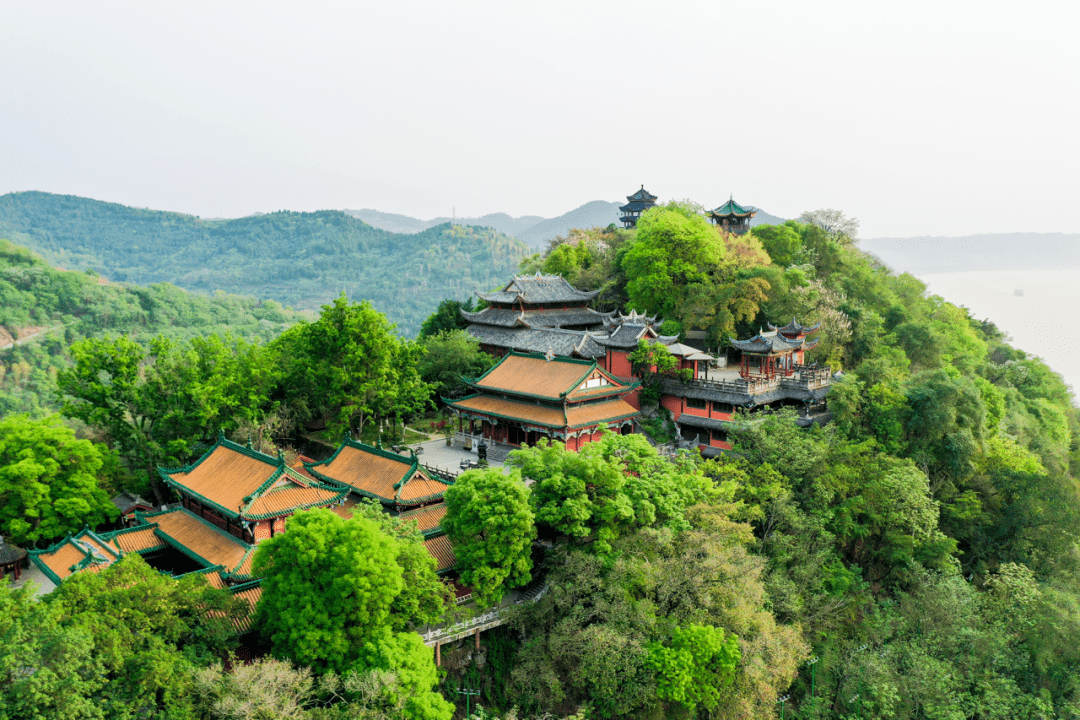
x,y
674,248
489,521
446,318
834,223
328,589
348,365
121,643
154,407
695,668
49,483
449,356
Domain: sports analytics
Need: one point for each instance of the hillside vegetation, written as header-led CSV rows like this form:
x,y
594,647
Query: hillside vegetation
x,y
298,259
44,310
918,557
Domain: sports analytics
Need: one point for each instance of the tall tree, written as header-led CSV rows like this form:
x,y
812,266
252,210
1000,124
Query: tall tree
x,y
489,521
446,318
348,366
449,357
48,480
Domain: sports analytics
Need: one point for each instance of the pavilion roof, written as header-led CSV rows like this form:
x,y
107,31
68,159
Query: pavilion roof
x,y
733,209
538,290
244,483
767,344
548,378
390,478
10,553
639,201
795,328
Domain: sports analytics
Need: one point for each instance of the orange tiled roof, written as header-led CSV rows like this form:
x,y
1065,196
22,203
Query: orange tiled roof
x,y
531,375
62,559
282,500
426,518
214,546
378,473
140,540
345,510
226,476
607,411
251,595
513,410
440,548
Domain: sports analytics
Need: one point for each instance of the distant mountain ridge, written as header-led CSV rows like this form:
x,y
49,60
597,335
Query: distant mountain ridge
x,y
989,251
532,230
407,225
299,259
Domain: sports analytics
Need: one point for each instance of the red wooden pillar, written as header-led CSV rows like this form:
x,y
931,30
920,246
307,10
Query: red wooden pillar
x,y
477,638
438,654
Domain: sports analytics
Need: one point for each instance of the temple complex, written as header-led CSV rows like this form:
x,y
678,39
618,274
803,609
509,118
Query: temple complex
x,y
733,217
772,372
636,204
528,397
245,492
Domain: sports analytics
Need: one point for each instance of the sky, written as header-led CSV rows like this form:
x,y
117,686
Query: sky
x,y
917,118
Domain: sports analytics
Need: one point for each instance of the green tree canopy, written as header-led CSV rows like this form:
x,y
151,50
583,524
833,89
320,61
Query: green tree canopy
x,y
450,356
49,484
446,318
489,521
348,366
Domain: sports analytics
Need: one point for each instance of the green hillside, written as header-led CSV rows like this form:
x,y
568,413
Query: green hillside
x,y
299,259
44,310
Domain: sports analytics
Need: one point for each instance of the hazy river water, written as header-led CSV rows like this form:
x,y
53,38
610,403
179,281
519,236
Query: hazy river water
x,y
1044,321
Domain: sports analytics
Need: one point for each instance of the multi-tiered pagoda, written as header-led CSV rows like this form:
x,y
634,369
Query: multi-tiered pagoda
x,y
733,217
538,313
636,204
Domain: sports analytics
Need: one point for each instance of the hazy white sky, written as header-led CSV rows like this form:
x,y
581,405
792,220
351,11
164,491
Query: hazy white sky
x,y
918,118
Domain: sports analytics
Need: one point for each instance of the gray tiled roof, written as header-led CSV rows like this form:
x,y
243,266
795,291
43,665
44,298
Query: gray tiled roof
x,y
541,340
762,344
795,327
538,289
709,423
506,317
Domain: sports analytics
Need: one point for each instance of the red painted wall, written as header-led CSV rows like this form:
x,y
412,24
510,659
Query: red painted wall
x,y
673,405
618,363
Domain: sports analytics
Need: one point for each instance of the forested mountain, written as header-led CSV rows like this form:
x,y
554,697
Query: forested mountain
x,y
299,259
44,310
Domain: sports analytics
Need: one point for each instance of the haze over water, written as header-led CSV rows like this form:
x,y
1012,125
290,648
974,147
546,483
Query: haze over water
x,y
1041,322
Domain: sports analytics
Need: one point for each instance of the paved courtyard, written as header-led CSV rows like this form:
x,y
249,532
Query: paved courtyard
x,y
438,455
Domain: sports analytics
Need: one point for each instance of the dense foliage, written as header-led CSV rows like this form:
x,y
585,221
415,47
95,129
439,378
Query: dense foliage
x,y
43,311
915,557
300,259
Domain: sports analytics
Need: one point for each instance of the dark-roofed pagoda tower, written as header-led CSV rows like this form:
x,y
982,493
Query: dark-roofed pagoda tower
x,y
637,203
733,217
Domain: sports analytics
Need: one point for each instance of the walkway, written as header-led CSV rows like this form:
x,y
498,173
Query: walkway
x,y
448,459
